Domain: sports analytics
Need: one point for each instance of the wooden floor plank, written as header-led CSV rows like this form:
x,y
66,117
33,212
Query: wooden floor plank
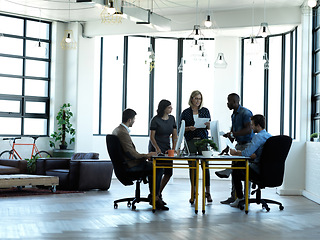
x,y
91,215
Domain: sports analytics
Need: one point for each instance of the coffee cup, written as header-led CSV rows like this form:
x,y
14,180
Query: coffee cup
x,y
170,153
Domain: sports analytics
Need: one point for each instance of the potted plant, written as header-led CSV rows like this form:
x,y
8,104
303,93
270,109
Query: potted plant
x,y
314,137
205,146
64,127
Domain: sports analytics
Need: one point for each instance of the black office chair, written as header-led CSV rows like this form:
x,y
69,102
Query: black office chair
x,y
121,170
272,160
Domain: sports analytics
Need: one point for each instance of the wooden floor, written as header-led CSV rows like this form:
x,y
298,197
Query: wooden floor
x,y
91,215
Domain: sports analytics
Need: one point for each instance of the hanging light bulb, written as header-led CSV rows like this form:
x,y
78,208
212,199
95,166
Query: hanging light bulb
x,y
180,68
208,23
266,63
312,3
220,61
111,9
197,34
68,38
264,29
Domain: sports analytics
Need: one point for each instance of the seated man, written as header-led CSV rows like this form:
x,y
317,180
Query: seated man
x,y
137,161
254,151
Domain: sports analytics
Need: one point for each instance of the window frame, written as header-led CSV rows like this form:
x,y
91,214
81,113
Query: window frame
x,y
292,80
22,97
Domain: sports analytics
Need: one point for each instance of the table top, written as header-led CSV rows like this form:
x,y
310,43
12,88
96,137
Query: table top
x,y
202,157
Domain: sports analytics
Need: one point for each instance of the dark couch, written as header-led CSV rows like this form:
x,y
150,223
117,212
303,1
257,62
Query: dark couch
x,y
81,172
12,166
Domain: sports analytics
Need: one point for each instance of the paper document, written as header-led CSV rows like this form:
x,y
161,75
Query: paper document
x,y
229,143
200,122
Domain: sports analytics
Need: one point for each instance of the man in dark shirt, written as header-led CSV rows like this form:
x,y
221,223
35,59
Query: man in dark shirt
x,y
240,131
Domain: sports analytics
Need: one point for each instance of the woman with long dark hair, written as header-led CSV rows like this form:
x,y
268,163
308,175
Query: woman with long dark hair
x,y
162,127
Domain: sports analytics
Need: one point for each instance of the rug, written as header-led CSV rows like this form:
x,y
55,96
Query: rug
x,y
15,192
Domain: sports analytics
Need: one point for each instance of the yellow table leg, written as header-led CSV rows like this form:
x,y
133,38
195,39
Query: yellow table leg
x,y
154,185
203,186
247,187
197,185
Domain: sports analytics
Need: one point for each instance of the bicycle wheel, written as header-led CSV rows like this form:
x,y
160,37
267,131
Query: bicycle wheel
x,y
6,155
43,154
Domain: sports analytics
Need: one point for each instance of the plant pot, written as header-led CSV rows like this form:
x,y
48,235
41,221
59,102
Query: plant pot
x,y
63,147
207,154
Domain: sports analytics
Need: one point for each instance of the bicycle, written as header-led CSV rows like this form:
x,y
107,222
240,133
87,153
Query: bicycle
x,y
13,154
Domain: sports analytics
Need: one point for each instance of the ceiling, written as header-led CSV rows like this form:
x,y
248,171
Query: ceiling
x,y
70,10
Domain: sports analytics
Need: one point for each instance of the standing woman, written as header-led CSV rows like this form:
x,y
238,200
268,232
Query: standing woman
x,y
193,134
162,126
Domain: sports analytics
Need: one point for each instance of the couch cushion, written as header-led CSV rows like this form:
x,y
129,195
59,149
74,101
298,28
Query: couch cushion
x,y
8,170
85,156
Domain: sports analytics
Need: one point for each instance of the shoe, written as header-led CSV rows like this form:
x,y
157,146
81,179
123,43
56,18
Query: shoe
x,y
164,203
208,197
224,173
236,202
161,206
228,201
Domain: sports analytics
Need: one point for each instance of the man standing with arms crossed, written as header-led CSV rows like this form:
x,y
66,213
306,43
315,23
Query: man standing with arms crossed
x,y
240,131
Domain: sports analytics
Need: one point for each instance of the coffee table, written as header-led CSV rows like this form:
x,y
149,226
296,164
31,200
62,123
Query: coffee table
x,y
21,180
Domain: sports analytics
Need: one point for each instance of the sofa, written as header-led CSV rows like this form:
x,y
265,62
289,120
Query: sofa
x,y
12,166
83,171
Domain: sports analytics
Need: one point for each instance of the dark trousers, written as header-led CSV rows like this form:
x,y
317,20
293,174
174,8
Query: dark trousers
x,y
147,167
239,175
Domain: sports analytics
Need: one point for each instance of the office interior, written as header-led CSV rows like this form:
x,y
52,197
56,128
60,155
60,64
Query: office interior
x,y
73,71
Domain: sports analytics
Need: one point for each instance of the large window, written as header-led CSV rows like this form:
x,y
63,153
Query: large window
x,y
146,79
269,81
24,76
316,72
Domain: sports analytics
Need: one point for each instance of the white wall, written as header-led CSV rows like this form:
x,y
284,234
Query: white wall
x,y
312,187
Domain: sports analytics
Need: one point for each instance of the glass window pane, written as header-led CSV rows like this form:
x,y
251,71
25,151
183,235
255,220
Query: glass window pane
x,y
165,72
198,65
10,126
274,98
9,106
287,86
253,76
317,62
11,86
317,84
12,46
138,83
316,38
36,29
36,88
34,50
35,126
112,82
12,25
36,107
96,88
10,66
36,68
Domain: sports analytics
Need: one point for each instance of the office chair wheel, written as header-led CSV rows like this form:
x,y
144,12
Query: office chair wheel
x,y
129,204
281,207
134,207
241,207
267,208
115,206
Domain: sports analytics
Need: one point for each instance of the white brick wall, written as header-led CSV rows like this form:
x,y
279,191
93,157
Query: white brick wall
x,y
312,188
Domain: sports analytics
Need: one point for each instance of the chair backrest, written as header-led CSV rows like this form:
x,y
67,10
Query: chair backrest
x,y
119,163
272,160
